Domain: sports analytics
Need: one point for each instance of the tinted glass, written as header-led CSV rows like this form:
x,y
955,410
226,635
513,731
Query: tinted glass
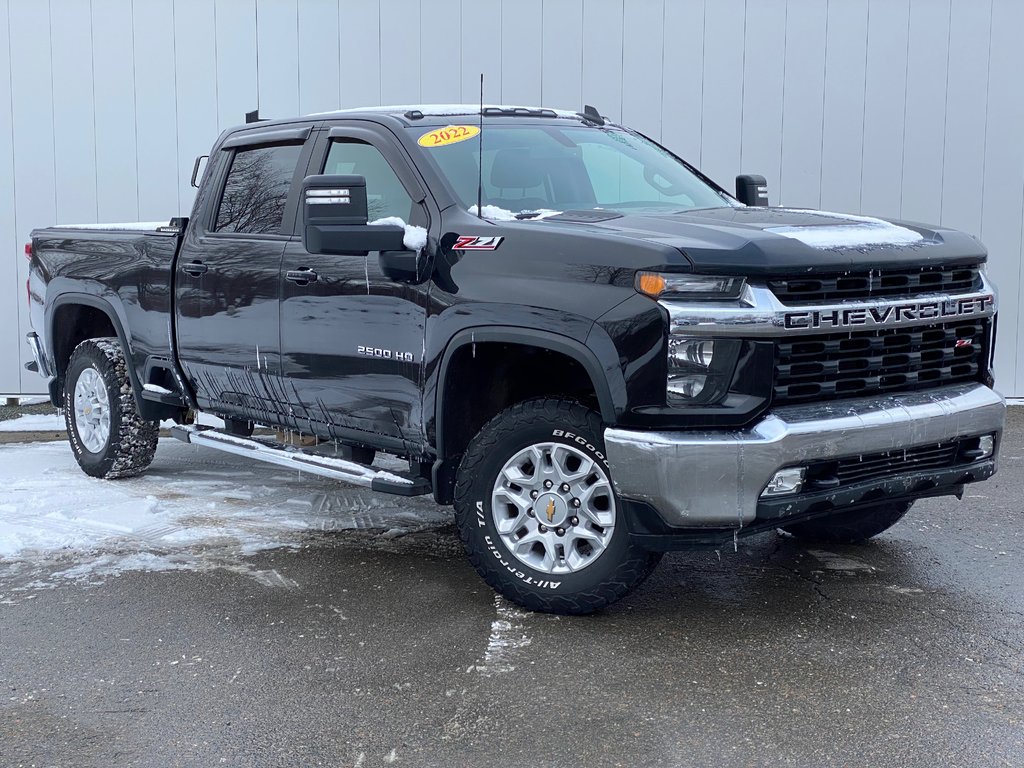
x,y
385,195
257,189
531,167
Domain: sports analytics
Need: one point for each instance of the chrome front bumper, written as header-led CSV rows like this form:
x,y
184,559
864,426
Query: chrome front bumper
x,y
698,479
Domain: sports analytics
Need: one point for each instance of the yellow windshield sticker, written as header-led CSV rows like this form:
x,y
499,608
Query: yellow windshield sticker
x,y
451,134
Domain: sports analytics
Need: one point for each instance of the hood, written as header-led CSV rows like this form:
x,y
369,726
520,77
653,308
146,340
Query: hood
x,y
755,240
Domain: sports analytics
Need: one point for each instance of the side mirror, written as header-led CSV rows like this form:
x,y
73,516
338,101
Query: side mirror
x,y
752,190
334,218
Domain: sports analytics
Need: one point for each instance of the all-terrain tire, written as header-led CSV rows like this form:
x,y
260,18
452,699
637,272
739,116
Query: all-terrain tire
x,y
619,568
131,442
851,527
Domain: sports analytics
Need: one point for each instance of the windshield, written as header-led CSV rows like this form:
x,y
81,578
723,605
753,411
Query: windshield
x,y
544,168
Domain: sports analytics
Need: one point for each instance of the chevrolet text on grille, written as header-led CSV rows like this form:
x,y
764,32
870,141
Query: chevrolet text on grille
x,y
892,314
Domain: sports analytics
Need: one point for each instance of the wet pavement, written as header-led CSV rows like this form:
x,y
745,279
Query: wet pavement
x,y
365,648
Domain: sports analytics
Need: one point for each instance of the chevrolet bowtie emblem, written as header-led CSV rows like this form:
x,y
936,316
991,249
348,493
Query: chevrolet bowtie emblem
x,y
550,511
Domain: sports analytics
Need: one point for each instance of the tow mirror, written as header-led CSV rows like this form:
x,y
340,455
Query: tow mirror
x,y
334,218
752,190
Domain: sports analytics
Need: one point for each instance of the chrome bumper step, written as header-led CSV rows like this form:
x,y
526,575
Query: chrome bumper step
x,y
273,452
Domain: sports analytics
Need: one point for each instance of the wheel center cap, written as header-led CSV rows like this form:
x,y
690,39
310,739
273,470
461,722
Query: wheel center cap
x,y
552,510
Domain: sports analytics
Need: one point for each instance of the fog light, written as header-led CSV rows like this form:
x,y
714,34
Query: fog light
x,y
987,446
785,482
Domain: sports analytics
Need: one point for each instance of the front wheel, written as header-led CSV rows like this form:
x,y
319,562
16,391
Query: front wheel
x,y
538,515
108,436
851,527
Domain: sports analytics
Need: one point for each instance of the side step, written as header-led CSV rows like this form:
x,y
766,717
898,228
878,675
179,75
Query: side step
x,y
283,455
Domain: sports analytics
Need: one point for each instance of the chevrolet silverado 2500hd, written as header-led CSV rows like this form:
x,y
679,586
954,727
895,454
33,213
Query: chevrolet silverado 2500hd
x,y
591,349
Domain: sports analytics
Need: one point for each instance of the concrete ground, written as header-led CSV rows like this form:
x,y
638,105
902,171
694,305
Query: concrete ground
x,y
362,648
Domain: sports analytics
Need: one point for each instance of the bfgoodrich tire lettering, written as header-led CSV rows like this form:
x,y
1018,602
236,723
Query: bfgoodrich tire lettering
x,y
618,568
131,443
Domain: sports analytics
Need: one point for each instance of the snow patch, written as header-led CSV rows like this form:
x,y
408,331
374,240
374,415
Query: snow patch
x,y
497,213
862,231
415,238
157,388
507,636
193,509
34,422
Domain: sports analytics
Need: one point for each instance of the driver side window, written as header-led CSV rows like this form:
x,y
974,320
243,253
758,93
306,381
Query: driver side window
x,y
385,195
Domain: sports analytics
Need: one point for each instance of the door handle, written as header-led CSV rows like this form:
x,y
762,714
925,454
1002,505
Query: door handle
x,y
303,276
195,268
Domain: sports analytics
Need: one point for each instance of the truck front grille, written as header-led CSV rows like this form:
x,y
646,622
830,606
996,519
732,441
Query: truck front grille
x,y
887,283
861,363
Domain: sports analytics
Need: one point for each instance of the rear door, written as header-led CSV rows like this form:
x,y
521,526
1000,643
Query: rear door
x,y
352,339
227,274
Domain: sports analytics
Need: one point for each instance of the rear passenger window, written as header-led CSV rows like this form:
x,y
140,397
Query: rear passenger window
x,y
256,190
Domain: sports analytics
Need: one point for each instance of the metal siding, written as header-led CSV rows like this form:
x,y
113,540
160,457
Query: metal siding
x,y
683,78
73,100
1003,191
889,107
235,46
803,104
195,82
113,65
763,89
319,57
400,72
440,55
722,104
561,85
12,293
842,145
158,161
481,50
925,129
602,56
277,49
885,98
33,132
361,46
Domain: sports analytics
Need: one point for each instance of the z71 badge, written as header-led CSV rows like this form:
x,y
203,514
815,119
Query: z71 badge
x,y
472,243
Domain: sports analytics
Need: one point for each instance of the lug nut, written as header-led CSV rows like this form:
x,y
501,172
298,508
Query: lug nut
x,y
548,483
564,488
542,528
574,520
576,503
560,531
534,494
530,512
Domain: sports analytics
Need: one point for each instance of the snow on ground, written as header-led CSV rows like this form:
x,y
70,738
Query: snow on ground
x,y
34,422
54,422
193,509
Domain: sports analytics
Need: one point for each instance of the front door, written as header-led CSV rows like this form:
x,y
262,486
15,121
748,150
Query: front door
x,y
227,284
352,339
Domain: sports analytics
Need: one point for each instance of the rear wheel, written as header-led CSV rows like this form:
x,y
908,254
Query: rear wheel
x,y
851,527
538,514
107,435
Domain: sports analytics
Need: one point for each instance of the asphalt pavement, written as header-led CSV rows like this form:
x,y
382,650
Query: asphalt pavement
x,y
362,648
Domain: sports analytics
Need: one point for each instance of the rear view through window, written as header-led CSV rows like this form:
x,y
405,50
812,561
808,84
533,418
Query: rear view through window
x,y
256,190
526,168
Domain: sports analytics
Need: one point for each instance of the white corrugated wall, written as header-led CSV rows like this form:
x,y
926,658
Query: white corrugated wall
x,y
902,108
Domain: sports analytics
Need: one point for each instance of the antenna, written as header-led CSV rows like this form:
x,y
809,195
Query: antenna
x,y
480,175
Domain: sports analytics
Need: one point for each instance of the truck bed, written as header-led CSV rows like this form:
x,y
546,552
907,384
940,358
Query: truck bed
x,y
126,268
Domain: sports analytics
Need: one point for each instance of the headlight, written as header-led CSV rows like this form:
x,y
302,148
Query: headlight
x,y
699,370
661,285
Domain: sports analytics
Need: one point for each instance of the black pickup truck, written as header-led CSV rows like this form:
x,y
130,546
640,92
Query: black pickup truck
x,y
591,349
